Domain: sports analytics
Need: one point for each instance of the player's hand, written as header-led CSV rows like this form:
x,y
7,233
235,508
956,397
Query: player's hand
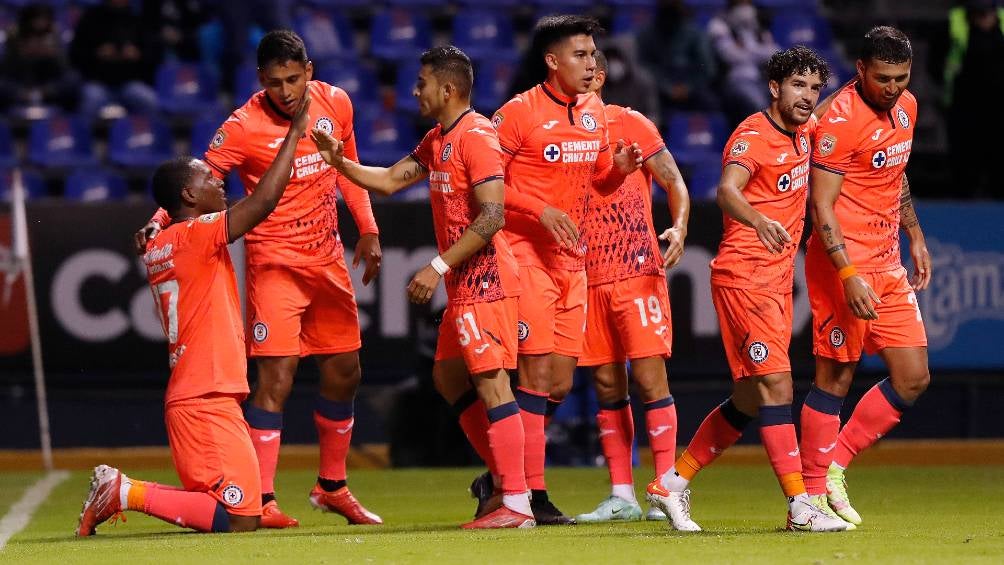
x,y
861,298
368,251
772,234
564,230
674,251
627,158
423,285
301,118
330,148
921,264
144,236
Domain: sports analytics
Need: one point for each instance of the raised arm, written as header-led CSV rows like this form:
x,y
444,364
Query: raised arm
x,y
490,196
667,175
825,189
252,209
382,180
731,200
910,224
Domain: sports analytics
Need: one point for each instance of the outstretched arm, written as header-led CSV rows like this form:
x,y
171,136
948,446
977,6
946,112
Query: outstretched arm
x,y
382,180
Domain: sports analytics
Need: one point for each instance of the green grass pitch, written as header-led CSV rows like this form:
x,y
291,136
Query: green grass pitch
x,y
912,515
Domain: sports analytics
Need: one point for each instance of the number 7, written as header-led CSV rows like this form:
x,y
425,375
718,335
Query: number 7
x,y
168,319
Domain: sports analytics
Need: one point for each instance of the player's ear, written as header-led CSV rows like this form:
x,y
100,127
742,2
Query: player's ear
x,y
775,88
860,66
551,60
188,197
309,70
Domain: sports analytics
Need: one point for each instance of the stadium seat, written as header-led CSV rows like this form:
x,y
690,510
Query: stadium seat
x,y
799,28
418,3
186,88
8,157
245,82
383,138
631,20
484,33
399,34
491,84
702,180
357,81
139,141
92,185
61,141
802,5
404,85
491,3
234,187
326,33
202,133
693,136
34,186
703,4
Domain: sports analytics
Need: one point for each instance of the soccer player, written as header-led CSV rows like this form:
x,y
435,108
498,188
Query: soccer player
x,y
477,337
762,193
861,297
628,316
300,297
555,150
195,289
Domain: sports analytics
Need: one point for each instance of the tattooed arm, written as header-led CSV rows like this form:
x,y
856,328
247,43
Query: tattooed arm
x,y
490,196
382,180
825,189
667,174
909,223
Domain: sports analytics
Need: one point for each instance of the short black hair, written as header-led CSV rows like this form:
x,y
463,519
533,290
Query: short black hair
x,y
886,44
551,30
452,65
601,61
797,60
168,181
279,46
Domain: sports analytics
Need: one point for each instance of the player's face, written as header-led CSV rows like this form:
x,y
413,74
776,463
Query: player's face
x,y
882,83
206,190
573,62
430,93
797,96
285,83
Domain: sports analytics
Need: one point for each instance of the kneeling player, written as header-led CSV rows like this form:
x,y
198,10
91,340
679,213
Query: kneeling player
x,y
462,159
195,290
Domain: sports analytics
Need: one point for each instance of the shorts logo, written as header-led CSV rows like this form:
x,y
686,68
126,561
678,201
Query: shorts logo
x,y
878,159
837,337
260,332
827,144
218,139
233,495
325,125
497,120
447,150
758,351
803,144
209,218
522,330
904,120
783,183
552,153
739,147
588,122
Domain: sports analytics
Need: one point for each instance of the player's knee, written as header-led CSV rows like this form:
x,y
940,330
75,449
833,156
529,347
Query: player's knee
x,y
651,385
560,390
916,385
243,523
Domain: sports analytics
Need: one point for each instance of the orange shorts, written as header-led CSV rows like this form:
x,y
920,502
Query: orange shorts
x,y
483,333
212,451
301,310
628,319
840,335
552,311
756,330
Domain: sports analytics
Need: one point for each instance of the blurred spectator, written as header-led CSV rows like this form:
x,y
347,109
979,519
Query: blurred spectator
x,y
743,45
975,47
172,28
35,70
109,51
678,55
628,84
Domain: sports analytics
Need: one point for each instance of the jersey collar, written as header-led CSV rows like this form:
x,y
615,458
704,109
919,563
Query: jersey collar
x,y
443,131
558,98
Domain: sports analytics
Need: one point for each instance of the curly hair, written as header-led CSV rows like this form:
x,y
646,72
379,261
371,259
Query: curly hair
x,y
797,60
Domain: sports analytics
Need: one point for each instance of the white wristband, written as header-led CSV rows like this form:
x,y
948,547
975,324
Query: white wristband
x,y
439,265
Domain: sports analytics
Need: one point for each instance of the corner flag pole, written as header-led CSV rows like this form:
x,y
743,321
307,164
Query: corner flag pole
x,y
22,255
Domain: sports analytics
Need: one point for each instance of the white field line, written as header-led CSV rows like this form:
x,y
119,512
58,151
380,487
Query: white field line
x,y
21,512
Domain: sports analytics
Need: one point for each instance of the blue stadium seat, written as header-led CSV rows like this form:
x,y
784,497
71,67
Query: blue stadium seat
x,y
357,81
491,84
693,136
404,85
802,5
484,33
245,83
399,34
383,138
203,130
799,28
8,158
631,19
139,141
491,3
34,186
418,3
92,185
61,142
326,33
234,187
702,182
186,88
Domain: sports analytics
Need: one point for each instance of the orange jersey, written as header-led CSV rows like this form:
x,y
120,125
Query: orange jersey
x,y
195,290
621,239
552,146
459,158
778,163
303,229
870,149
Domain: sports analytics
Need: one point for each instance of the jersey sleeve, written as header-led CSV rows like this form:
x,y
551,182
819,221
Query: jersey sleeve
x,y
742,150
482,156
642,131
511,122
208,232
228,149
161,217
422,153
835,142
356,197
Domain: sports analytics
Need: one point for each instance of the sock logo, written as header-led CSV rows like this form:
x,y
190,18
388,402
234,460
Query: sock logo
x,y
346,429
659,431
269,437
828,448
837,337
233,495
793,453
606,432
758,351
714,451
